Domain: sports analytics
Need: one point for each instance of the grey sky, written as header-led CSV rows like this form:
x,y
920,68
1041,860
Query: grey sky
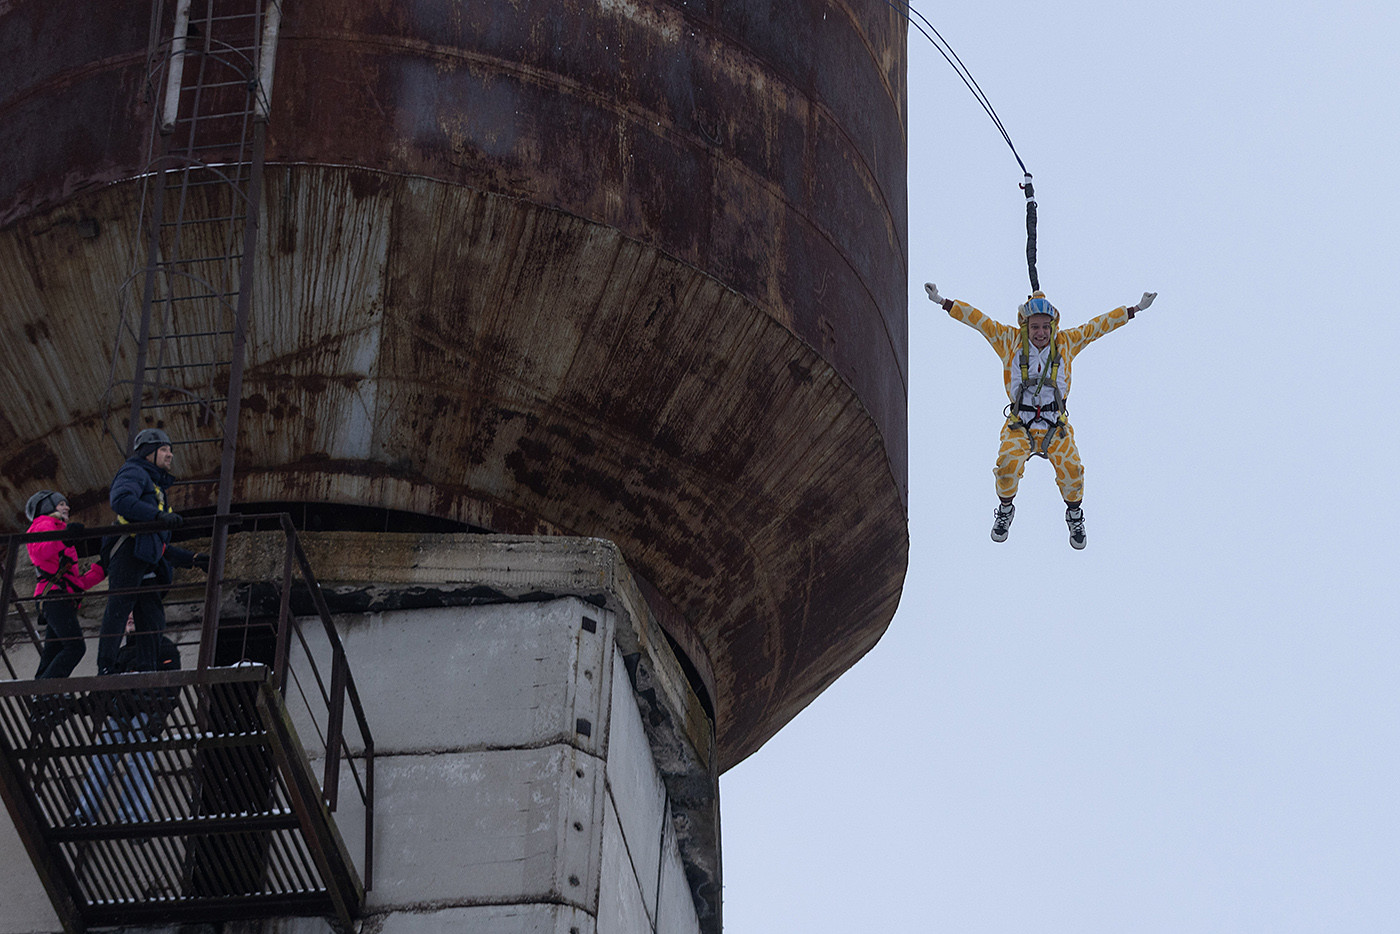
x,y
1193,724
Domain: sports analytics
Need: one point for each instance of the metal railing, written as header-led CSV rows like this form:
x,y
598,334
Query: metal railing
x,y
280,620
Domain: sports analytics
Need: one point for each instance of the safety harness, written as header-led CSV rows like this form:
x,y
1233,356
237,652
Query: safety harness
x,y
1053,428
59,578
123,520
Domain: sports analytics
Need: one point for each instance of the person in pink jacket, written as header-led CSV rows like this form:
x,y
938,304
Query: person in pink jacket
x,y
56,566
1037,358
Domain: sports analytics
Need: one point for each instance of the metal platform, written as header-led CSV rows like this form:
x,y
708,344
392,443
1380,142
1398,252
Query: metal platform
x,y
218,815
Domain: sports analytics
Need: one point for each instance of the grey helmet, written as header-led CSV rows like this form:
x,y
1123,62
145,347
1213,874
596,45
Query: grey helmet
x,y
43,503
148,440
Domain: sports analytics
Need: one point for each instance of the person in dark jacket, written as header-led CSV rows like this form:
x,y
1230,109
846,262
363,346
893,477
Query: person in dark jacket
x,y
132,717
145,558
56,567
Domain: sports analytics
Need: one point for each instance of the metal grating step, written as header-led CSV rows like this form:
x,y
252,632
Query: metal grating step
x,y
218,810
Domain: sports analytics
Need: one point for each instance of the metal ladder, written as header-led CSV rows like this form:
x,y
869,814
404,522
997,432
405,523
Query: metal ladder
x,y
184,310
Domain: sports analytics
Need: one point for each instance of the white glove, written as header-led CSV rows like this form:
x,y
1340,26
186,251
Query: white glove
x,y
933,295
1146,300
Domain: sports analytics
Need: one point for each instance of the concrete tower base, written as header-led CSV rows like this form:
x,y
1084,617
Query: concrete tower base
x,y
542,766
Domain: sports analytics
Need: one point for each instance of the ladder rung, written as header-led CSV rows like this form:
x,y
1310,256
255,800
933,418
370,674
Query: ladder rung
x,y
239,60
223,257
228,18
210,147
191,334
221,84
203,220
192,366
195,298
188,402
222,43
195,118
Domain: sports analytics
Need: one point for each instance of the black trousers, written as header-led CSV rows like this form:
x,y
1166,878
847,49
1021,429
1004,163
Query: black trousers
x,y
63,639
124,571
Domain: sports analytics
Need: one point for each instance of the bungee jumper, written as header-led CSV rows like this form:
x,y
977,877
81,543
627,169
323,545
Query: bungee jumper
x,y
1036,361
1036,355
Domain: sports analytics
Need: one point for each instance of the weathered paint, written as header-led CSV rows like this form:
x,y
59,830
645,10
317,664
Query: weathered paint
x,y
632,270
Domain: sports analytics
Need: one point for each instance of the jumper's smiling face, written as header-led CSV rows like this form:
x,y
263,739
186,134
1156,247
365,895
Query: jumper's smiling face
x,y
1040,327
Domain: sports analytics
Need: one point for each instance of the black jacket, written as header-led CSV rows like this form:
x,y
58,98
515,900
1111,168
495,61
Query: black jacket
x,y
138,495
156,703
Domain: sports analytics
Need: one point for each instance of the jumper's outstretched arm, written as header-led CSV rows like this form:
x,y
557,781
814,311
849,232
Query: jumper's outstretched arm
x,y
1143,303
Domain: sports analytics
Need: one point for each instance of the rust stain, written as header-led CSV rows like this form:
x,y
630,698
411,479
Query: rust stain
x,y
35,462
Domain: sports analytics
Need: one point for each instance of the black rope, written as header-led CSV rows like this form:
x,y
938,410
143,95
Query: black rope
x,y
936,39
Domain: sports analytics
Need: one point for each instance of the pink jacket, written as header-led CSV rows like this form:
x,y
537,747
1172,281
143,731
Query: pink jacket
x,y
57,560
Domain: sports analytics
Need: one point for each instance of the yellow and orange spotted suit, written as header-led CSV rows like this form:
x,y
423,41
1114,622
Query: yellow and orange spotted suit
x,y
1062,452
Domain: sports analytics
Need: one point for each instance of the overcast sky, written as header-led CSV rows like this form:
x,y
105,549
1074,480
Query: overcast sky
x,y
1191,726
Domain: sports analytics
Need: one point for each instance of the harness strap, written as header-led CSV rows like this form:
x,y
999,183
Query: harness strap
x,y
59,578
1050,372
123,520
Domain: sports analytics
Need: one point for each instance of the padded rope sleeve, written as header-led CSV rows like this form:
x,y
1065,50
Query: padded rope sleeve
x,y
1030,235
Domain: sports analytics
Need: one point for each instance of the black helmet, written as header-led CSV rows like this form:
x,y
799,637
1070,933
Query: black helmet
x,y
148,440
43,503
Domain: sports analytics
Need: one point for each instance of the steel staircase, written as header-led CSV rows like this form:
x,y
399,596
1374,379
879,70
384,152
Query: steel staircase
x,y
190,795
216,815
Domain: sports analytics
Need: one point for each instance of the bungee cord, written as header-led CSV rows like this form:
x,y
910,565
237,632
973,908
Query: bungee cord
x,y
935,38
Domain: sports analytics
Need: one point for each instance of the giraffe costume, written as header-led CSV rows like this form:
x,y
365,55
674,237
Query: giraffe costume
x,y
1037,381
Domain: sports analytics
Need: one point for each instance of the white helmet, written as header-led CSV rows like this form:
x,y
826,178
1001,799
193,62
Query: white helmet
x,y
1036,304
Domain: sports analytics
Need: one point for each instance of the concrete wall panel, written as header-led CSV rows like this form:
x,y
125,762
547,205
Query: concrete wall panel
x,y
635,786
675,912
24,906
621,909
492,919
504,825
501,675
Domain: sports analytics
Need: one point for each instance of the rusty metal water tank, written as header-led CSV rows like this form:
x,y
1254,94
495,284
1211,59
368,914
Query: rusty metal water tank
x,y
632,269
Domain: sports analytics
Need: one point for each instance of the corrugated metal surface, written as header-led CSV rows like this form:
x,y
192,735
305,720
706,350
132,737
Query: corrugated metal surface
x,y
633,270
